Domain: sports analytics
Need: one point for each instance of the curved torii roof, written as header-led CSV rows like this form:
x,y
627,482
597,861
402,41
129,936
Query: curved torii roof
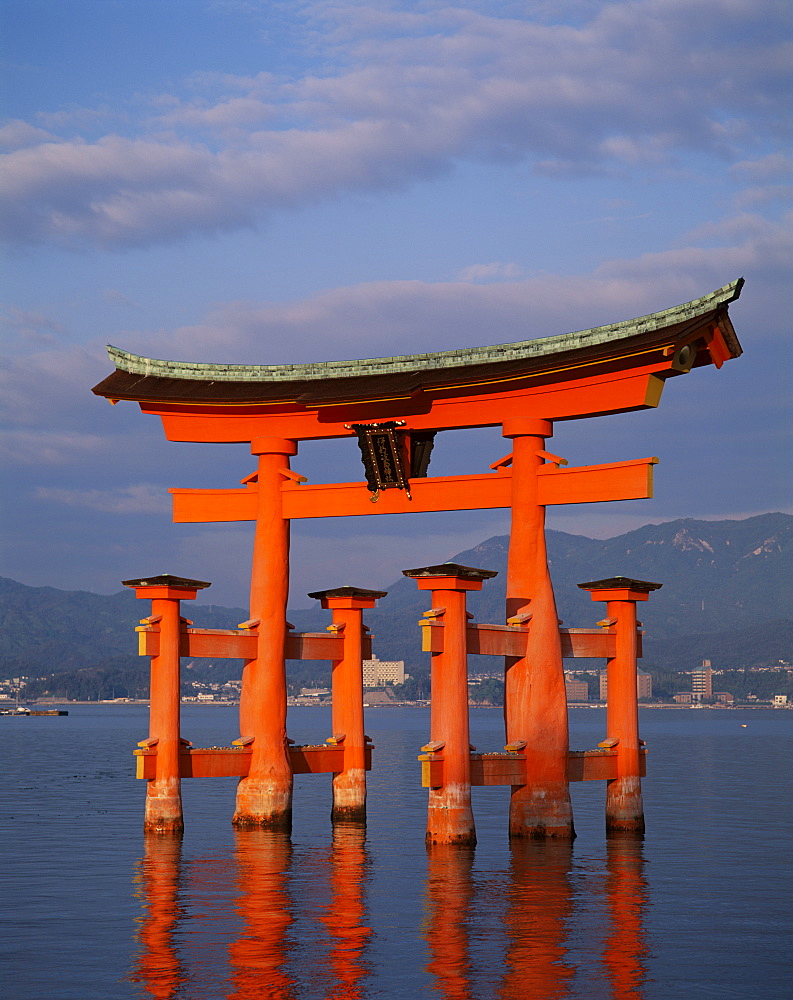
x,y
470,370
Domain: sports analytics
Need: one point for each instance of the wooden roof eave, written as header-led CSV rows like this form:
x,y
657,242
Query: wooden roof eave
x,y
649,339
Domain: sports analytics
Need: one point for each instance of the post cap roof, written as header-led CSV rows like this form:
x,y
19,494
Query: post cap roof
x,y
621,583
321,595
167,580
450,569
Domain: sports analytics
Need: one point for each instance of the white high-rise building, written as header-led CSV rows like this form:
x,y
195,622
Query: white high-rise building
x,y
702,682
378,673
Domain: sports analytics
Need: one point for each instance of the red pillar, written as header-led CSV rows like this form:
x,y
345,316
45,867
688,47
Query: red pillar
x,y
264,797
624,807
349,785
535,702
450,819
163,793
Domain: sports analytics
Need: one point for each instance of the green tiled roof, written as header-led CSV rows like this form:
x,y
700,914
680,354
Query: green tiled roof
x,y
545,346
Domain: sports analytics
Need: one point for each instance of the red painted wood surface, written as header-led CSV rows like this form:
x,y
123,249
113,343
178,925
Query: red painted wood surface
x,y
608,392
629,480
233,762
506,640
349,784
510,768
264,795
450,819
163,811
535,699
230,644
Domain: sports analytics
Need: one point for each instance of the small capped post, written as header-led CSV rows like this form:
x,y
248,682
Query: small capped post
x,y
624,805
163,793
450,818
349,785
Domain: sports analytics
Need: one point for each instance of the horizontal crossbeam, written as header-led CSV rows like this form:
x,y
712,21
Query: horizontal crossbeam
x,y
235,762
609,392
510,768
231,644
507,640
632,480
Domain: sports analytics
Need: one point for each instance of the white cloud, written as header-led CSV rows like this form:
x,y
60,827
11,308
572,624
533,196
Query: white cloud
x,y
38,389
140,499
765,194
114,296
417,90
17,134
773,167
231,113
47,447
32,326
496,271
402,317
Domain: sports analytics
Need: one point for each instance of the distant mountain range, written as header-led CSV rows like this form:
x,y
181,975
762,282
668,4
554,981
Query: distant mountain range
x,y
726,596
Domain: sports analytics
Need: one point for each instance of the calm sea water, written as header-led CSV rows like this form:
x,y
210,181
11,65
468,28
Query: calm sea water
x,y
702,908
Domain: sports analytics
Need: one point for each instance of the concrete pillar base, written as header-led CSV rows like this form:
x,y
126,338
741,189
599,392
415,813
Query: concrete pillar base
x,y
624,806
467,839
163,812
354,815
263,805
541,812
450,818
349,797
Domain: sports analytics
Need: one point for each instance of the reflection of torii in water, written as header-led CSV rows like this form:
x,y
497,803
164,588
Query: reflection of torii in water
x,y
257,913
394,406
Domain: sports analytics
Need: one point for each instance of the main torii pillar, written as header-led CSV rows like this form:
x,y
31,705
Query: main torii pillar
x,y
264,796
534,697
395,407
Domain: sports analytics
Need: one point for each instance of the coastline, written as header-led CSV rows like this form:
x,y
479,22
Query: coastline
x,y
301,703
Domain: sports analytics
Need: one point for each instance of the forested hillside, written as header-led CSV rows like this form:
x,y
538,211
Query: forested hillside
x,y
725,597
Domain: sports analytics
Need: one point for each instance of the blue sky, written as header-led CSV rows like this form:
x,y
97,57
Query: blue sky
x,y
268,182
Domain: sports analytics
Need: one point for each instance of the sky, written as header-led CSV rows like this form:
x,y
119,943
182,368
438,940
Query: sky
x,y
272,182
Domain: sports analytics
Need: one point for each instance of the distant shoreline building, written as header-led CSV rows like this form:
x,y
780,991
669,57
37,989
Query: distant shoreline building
x,y
644,685
702,682
576,690
378,673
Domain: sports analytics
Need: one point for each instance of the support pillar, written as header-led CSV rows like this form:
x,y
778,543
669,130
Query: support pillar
x,y
450,819
163,792
349,785
264,797
535,702
624,806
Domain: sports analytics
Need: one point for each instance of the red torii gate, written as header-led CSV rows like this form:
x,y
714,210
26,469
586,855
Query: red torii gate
x,y
395,406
